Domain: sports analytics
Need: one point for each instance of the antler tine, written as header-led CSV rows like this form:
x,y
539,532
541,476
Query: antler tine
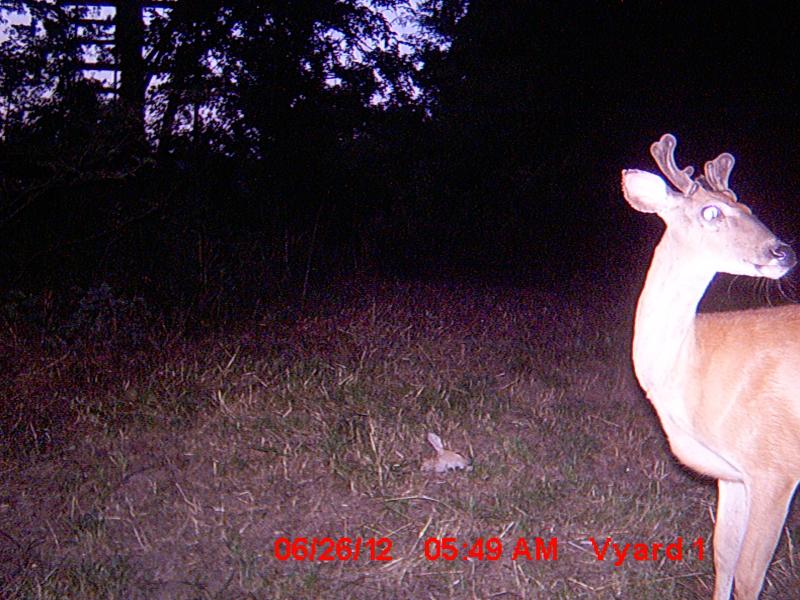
x,y
663,152
718,171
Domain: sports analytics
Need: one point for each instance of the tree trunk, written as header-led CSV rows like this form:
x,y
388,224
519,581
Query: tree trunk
x,y
133,75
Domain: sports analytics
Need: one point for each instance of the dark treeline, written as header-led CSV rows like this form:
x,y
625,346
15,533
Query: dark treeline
x,y
270,156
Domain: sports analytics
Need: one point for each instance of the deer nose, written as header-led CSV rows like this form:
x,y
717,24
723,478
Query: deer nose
x,y
783,254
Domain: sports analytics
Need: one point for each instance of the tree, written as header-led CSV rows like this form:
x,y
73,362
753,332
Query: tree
x,y
261,101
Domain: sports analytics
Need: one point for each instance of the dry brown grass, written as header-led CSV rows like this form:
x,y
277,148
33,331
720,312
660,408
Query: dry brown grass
x,y
173,475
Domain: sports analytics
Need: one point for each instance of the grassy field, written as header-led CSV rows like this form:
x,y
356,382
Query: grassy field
x,y
171,471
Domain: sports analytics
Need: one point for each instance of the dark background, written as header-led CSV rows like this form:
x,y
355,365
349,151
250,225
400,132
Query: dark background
x,y
505,164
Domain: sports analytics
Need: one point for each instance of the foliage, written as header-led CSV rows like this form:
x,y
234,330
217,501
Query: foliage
x,y
280,118
243,74
37,63
96,317
103,316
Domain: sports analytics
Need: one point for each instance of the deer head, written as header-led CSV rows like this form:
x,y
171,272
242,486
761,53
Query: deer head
x,y
705,217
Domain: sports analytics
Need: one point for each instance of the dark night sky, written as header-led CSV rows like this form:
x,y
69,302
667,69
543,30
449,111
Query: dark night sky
x,y
719,78
584,88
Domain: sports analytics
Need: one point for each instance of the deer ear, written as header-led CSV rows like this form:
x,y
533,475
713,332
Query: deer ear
x,y
645,191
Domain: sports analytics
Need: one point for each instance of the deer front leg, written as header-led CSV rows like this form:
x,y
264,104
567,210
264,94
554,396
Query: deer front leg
x,y
732,514
769,504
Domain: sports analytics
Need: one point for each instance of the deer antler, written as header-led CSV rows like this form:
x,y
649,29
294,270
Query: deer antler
x,y
718,171
663,152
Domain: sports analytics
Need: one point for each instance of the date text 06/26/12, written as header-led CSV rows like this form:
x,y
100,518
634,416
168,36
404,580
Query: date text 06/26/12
x,y
325,549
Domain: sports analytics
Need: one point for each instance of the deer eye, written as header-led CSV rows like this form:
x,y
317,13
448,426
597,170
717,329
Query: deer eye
x,y
710,213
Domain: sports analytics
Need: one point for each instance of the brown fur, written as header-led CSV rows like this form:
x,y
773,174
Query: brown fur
x,y
726,386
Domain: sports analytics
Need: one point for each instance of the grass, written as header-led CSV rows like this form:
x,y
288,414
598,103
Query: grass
x,y
173,477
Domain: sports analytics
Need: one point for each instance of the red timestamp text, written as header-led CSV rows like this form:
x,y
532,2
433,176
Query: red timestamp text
x,y
451,548
329,549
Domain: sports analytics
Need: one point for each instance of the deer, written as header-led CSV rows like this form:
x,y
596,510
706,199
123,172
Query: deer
x,y
726,385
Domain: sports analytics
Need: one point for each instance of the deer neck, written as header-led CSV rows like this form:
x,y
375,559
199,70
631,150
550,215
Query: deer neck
x,y
664,341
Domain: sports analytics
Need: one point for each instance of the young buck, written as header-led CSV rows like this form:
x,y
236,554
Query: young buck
x,y
726,386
